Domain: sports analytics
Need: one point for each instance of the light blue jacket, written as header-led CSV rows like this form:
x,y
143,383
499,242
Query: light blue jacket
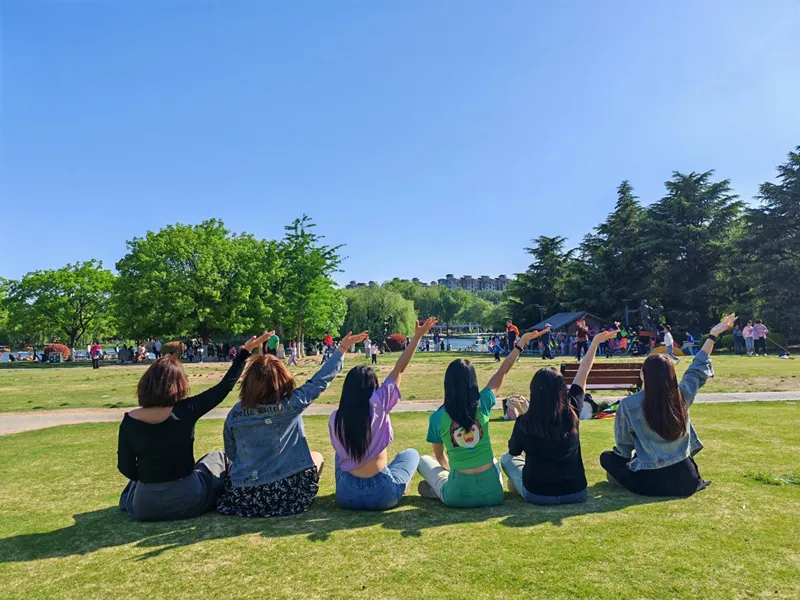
x,y
645,449
268,443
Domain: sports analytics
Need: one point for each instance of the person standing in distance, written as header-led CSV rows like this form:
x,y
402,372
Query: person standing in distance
x,y
669,344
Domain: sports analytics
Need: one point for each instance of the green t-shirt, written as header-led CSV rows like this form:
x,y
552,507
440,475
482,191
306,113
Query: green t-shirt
x,y
465,449
272,342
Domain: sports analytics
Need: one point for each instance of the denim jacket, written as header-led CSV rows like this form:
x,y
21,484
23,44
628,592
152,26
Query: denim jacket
x,y
268,443
632,433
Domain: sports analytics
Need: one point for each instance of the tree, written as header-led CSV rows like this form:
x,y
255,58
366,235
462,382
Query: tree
x,y
612,268
771,246
475,310
373,307
196,280
540,288
307,287
5,332
64,303
686,240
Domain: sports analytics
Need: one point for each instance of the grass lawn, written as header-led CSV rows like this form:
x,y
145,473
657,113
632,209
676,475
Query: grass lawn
x,y
34,387
61,535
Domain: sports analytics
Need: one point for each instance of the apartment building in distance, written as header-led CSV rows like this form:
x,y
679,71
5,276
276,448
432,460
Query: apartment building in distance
x,y
467,282
474,284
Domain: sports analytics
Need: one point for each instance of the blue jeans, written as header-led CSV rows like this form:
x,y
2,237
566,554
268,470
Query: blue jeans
x,y
512,465
380,492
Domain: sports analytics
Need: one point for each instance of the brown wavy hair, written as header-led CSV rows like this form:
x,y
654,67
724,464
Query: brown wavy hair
x,y
163,384
266,381
663,406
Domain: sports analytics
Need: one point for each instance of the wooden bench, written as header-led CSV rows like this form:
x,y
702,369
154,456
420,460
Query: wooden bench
x,y
607,375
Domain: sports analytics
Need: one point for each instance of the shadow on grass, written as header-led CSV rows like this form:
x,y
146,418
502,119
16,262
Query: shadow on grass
x,y
108,527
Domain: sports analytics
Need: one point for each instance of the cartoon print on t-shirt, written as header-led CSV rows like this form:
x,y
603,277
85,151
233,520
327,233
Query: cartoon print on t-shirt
x,y
466,438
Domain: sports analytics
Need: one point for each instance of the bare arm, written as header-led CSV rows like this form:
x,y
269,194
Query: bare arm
x,y
496,382
717,330
419,332
439,453
586,364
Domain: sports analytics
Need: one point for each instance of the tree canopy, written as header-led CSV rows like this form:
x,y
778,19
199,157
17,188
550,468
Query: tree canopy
x,y
61,304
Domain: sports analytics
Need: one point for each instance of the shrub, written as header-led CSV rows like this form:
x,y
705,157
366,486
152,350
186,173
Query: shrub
x,y
395,342
57,349
175,348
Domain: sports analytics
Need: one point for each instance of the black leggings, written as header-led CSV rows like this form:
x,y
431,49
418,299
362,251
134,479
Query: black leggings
x,y
374,359
761,346
96,363
681,479
582,346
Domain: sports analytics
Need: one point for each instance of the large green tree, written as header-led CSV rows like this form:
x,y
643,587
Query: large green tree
x,y
196,280
771,248
686,241
63,303
375,308
613,267
309,299
540,290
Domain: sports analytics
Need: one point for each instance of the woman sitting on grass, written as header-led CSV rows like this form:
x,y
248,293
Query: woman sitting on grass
x,y
361,430
156,443
654,436
467,475
273,472
552,470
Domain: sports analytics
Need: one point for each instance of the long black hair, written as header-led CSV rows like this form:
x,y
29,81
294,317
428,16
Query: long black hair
x,y
461,392
550,415
353,418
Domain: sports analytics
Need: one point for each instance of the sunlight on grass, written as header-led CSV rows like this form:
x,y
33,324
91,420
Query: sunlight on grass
x,y
62,536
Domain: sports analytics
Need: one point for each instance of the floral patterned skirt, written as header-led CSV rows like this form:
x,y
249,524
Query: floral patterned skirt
x,y
281,498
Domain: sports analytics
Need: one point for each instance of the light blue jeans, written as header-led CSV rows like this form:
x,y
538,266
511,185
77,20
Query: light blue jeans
x,y
749,343
513,465
381,491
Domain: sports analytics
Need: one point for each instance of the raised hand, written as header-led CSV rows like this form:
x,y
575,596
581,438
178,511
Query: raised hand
x,y
255,342
604,336
723,325
349,340
529,336
423,327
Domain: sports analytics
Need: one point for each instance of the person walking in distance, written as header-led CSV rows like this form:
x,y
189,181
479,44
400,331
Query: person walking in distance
x,y
94,351
512,334
581,337
747,333
669,344
546,354
375,353
157,349
760,332
738,339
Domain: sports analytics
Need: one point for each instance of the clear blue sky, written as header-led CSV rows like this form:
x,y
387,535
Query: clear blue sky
x,y
430,137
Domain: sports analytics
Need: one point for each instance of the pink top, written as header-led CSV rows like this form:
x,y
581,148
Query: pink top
x,y
747,331
760,332
383,400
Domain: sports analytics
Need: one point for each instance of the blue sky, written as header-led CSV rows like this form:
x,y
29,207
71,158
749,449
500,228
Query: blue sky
x,y
430,137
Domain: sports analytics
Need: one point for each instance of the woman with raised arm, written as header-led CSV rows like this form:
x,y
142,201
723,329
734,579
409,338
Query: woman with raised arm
x,y
156,443
655,441
273,471
464,473
552,470
361,431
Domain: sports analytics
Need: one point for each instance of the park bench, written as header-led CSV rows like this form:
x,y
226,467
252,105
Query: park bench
x,y
608,375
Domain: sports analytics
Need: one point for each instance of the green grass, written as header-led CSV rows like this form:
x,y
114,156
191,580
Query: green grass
x,y
61,535
36,387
